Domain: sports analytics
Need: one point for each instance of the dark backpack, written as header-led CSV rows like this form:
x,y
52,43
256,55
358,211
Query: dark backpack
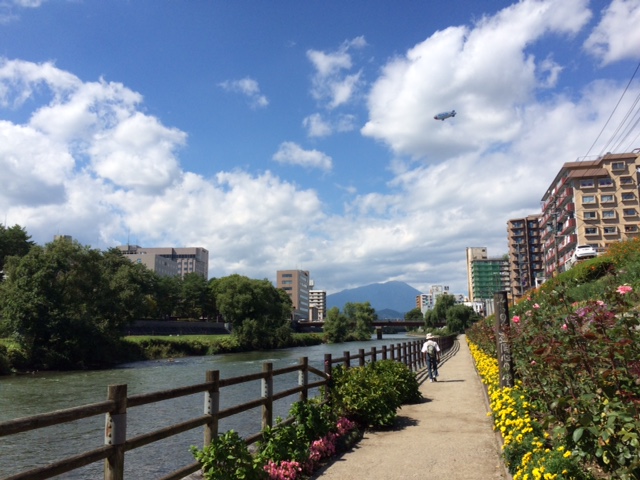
x,y
431,350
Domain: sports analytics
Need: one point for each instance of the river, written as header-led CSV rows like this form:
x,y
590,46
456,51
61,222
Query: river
x,y
44,392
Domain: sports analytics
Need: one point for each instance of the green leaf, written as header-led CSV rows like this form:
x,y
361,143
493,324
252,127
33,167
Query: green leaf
x,y
577,434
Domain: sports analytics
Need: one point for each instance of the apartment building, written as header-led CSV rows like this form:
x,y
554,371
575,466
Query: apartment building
x,y
526,262
296,283
187,260
590,202
473,253
317,305
488,276
427,301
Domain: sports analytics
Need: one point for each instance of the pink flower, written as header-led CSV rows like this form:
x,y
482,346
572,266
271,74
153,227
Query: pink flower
x,y
599,302
533,362
565,327
516,319
536,306
624,289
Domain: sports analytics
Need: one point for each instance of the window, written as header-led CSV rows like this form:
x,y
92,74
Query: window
x,y
630,228
588,199
608,214
629,212
628,196
617,166
591,231
606,198
626,181
610,230
605,182
586,183
590,215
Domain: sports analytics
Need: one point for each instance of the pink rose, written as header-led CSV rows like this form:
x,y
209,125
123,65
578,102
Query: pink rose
x,y
536,306
624,289
565,327
516,319
533,362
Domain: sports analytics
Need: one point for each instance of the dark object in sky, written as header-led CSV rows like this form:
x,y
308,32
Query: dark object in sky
x,y
444,115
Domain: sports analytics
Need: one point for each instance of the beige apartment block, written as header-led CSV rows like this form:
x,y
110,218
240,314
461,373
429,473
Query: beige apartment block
x,y
526,259
296,283
317,305
188,260
590,202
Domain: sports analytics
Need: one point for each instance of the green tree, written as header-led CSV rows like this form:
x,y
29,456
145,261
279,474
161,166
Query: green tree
x,y
460,317
360,317
167,295
259,313
414,315
196,297
13,241
66,304
438,316
336,326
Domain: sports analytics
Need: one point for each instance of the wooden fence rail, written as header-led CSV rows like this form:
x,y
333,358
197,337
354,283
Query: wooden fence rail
x,y
117,404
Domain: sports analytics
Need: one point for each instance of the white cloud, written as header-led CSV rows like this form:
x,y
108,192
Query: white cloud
x,y
330,84
319,126
617,36
316,126
292,154
484,73
248,87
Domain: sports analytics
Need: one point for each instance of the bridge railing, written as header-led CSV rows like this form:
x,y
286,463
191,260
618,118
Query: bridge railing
x,y
118,404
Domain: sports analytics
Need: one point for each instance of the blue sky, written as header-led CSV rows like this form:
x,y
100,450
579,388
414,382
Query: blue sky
x,y
297,134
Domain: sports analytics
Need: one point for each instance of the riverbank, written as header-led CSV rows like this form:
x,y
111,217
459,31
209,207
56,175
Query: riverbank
x,y
148,347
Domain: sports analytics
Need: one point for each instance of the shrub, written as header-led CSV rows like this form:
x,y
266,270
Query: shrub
x,y
366,396
401,378
227,457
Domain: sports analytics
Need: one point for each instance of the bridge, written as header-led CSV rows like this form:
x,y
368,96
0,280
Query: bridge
x,y
378,323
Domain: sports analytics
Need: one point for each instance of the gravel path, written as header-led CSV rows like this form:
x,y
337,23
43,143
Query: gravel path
x,y
447,436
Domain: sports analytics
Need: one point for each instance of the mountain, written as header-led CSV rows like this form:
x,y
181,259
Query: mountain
x,y
397,297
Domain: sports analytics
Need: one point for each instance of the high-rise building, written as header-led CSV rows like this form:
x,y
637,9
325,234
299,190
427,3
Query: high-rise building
x,y
473,253
488,276
296,284
590,202
317,303
526,265
187,260
427,301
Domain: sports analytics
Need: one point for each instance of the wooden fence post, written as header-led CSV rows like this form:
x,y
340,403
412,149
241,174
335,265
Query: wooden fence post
x,y
384,352
374,354
303,378
393,352
327,371
212,406
267,394
405,354
347,359
361,356
115,433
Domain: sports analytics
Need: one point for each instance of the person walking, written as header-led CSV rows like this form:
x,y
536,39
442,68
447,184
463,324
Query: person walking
x,y
431,350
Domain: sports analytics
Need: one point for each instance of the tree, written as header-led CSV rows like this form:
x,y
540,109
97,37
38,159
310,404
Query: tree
x,y
66,304
195,301
414,315
360,317
259,312
336,326
438,316
167,296
13,241
460,317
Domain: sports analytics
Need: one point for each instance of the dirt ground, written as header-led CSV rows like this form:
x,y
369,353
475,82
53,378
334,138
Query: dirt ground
x,y
447,436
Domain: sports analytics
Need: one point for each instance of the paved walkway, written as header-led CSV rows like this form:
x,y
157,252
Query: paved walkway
x,y
447,436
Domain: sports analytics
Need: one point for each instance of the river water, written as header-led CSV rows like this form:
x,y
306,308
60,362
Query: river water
x,y
26,395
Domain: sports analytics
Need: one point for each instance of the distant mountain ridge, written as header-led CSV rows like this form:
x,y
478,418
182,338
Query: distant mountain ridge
x,y
390,299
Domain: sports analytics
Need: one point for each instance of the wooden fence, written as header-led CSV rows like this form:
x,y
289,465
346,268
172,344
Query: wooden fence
x,y
115,408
